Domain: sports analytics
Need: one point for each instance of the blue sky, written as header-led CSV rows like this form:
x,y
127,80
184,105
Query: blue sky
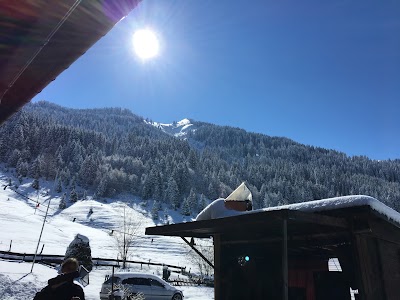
x,y
323,73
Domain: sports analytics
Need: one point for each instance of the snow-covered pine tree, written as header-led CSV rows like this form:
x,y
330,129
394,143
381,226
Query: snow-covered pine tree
x,y
192,200
73,196
59,186
154,210
202,202
35,184
102,187
79,248
172,193
63,203
22,168
186,208
73,183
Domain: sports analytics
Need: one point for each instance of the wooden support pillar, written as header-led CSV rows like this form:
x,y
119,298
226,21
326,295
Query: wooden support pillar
x,y
217,267
285,294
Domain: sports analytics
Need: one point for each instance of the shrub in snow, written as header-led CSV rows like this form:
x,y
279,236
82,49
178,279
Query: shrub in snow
x,y
80,249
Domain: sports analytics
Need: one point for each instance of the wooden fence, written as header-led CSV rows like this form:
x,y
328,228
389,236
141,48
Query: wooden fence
x,y
51,259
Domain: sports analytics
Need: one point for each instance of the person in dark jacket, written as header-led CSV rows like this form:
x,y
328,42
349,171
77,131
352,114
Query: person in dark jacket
x,y
63,287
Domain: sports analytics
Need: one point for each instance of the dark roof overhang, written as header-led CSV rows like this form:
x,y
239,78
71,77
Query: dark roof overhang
x,y
39,39
264,223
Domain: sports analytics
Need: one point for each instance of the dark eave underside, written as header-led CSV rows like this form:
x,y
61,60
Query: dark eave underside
x,y
266,223
40,39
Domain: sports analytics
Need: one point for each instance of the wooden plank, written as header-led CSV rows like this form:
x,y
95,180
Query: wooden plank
x,y
317,239
390,263
318,219
368,268
385,231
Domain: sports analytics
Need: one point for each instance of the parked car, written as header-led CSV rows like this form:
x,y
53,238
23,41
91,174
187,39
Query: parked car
x,y
150,286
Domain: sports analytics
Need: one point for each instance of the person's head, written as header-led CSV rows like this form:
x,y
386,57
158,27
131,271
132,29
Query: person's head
x,y
69,265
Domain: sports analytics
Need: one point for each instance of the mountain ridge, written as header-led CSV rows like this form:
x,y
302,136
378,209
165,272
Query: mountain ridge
x,y
111,150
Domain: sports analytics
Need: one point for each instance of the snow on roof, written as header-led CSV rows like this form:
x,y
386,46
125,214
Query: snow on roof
x,y
341,202
217,208
241,193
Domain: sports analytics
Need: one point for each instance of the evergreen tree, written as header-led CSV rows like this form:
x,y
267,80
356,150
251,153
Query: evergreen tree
x,y
186,211
147,190
14,158
22,168
172,193
35,184
59,186
79,248
63,203
192,159
154,210
192,200
102,187
87,172
202,202
73,183
73,196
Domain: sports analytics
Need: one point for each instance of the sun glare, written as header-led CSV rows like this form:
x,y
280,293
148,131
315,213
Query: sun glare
x,y
145,44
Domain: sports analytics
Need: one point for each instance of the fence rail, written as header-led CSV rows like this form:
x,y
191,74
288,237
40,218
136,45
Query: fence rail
x,y
57,259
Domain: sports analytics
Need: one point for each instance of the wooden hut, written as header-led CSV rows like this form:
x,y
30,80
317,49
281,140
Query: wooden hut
x,y
283,252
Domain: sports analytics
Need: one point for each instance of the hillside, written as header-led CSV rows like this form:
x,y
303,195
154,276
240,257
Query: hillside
x,y
105,152
23,222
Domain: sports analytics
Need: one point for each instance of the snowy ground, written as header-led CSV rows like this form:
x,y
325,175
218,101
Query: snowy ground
x,y
21,223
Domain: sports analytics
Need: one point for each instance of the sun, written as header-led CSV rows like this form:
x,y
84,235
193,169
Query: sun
x,y
146,44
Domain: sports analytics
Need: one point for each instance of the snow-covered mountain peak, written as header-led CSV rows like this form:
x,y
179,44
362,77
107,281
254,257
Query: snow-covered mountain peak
x,y
177,129
184,122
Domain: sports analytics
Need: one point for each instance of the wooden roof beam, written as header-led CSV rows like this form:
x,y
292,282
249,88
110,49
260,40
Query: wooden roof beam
x,y
318,219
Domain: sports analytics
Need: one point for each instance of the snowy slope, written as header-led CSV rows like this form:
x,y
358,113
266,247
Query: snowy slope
x,y
21,223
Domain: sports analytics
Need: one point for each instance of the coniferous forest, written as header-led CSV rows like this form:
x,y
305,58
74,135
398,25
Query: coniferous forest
x,y
111,150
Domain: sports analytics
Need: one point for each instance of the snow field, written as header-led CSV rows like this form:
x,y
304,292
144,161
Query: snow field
x,y
21,222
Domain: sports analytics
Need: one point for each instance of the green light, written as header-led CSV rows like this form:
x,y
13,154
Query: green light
x,y
246,258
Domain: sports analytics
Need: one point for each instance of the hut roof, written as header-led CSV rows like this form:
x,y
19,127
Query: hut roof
x,y
40,39
327,216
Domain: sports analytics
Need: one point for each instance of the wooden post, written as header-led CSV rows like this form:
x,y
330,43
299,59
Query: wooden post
x,y
217,267
198,252
112,282
10,246
285,294
40,236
